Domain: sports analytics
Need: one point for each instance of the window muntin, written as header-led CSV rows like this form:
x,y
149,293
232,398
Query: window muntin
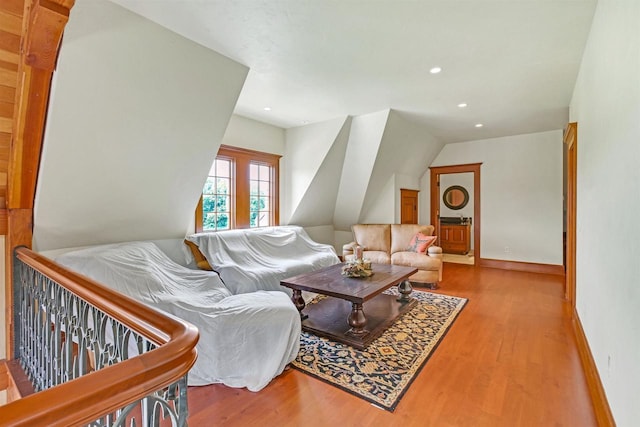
x,y
260,183
217,195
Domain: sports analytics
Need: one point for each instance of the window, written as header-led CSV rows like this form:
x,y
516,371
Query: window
x,y
260,183
216,196
241,191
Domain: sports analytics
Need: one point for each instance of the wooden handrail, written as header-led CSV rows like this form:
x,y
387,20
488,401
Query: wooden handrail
x,y
101,392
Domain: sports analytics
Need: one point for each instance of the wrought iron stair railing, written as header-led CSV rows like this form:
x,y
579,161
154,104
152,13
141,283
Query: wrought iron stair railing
x,y
94,356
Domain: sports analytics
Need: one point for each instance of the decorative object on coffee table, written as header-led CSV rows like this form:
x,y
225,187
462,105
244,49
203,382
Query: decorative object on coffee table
x,y
383,372
357,268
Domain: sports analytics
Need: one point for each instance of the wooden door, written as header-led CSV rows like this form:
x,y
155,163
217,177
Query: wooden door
x,y
571,139
408,206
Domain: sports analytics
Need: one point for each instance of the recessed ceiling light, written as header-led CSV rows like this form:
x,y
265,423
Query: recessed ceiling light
x,y
462,105
267,108
479,125
435,70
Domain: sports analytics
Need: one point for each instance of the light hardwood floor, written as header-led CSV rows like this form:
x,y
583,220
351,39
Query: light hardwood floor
x,y
510,359
458,259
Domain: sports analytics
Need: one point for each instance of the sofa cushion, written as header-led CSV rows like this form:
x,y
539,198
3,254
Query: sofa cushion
x,y
413,259
420,242
401,235
377,257
373,237
201,260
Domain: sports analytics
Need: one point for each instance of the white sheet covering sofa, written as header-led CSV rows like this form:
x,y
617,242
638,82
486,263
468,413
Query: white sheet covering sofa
x,y
245,340
249,328
257,259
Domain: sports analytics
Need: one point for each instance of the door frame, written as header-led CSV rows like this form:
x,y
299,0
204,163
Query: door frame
x,y
436,171
571,140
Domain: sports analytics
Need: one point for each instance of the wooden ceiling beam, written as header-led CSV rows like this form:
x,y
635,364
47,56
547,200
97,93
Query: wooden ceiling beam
x,y
42,28
42,33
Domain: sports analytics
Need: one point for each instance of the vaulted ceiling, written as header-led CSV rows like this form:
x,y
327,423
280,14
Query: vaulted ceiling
x,y
514,63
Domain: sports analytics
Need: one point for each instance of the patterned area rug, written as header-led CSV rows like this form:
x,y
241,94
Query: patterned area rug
x,y
383,372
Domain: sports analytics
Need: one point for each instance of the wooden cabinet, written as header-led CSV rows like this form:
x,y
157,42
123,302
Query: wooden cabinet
x,y
455,238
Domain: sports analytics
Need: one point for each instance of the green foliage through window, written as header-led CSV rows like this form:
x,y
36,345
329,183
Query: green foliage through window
x,y
260,189
216,197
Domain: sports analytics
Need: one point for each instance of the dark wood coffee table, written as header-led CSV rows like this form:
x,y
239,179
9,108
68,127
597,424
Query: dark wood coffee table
x,y
341,316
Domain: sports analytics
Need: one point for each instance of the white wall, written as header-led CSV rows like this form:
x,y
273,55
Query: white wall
x,y
382,210
350,170
424,198
386,207
313,150
323,234
136,115
606,106
521,194
253,135
406,150
359,161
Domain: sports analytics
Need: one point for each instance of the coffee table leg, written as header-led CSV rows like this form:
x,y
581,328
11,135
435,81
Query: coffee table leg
x,y
357,320
298,301
405,290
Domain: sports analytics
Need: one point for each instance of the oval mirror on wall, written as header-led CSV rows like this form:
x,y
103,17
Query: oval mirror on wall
x,y
455,197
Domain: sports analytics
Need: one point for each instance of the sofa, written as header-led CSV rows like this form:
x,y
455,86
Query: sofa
x,y
226,283
250,260
245,340
392,244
